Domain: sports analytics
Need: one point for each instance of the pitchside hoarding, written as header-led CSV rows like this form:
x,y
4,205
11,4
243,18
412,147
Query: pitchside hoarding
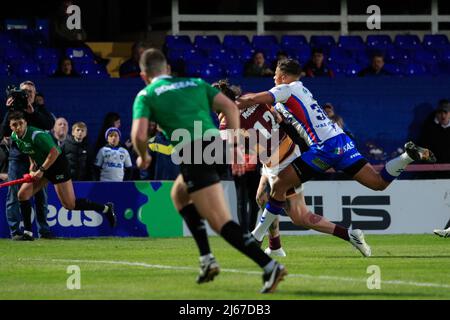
x,y
144,209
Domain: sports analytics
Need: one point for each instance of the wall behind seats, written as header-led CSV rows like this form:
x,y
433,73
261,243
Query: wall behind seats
x,y
383,109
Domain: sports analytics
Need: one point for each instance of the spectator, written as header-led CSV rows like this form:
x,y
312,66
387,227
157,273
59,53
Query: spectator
x,y
111,119
281,55
376,67
161,152
65,69
316,67
436,132
113,163
79,154
60,130
329,110
19,164
130,68
63,37
39,100
257,67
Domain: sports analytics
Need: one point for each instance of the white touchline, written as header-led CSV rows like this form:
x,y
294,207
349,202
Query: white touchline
x,y
305,276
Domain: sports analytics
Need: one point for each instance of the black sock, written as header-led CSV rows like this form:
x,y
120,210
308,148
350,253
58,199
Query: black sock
x,y
341,232
197,227
86,204
234,235
25,208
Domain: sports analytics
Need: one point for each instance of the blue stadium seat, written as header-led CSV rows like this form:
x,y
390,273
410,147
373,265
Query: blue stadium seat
x,y
7,40
394,69
27,68
48,68
396,55
4,69
434,41
43,28
193,55
351,43
425,57
91,70
408,42
193,69
211,70
233,69
323,42
178,42
293,41
14,55
207,42
235,41
339,56
379,41
414,69
302,53
352,69
261,42
223,56
244,53
46,55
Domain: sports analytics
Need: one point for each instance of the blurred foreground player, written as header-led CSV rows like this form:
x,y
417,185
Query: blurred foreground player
x,y
176,105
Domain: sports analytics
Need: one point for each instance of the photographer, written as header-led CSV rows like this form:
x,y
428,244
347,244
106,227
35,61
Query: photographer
x,y
23,99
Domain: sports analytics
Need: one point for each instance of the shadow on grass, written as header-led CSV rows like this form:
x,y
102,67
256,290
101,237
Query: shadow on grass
x,y
362,295
391,257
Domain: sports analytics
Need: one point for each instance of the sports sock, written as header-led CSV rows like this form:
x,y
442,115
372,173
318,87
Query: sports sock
x,y
197,227
273,209
395,167
25,208
275,243
86,204
341,232
234,235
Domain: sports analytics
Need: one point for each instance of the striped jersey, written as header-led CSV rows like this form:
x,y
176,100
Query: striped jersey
x,y
297,104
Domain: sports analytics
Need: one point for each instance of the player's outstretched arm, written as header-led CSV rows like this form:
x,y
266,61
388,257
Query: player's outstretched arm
x,y
252,99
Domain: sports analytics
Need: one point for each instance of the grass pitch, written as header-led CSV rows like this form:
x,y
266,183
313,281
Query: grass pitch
x,y
320,267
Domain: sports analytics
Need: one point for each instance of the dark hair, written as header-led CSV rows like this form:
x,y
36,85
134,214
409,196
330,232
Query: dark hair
x,y
317,50
16,115
231,92
377,54
153,61
291,67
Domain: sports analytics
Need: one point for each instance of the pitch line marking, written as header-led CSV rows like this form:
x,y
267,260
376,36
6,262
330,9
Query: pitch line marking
x,y
305,276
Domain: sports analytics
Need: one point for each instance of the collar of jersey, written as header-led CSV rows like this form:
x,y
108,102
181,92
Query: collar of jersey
x,y
164,76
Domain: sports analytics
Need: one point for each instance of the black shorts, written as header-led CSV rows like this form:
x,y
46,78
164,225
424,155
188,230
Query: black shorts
x,y
59,172
306,173
198,176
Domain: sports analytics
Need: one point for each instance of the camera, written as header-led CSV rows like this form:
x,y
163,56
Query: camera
x,y
20,98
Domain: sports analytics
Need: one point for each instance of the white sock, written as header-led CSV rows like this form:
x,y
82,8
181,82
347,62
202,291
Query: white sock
x,y
269,267
206,258
396,166
28,233
264,224
106,209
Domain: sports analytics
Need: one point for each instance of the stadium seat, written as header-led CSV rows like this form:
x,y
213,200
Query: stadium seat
x,y
7,40
178,42
293,41
211,70
48,68
28,68
207,43
351,43
302,53
82,55
244,53
380,42
13,55
339,56
233,69
396,55
235,41
394,69
223,56
91,70
408,42
4,69
261,42
323,42
46,55
43,28
425,57
434,41
414,69
352,69
194,55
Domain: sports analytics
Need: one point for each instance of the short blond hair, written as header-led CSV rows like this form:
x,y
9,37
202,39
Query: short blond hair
x,y
80,125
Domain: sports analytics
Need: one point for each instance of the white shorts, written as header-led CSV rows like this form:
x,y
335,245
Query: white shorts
x,y
272,172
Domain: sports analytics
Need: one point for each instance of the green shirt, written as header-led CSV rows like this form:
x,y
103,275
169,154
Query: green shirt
x,y
177,103
35,143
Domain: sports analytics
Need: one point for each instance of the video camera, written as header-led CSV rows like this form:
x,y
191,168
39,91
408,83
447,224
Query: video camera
x,y
20,98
